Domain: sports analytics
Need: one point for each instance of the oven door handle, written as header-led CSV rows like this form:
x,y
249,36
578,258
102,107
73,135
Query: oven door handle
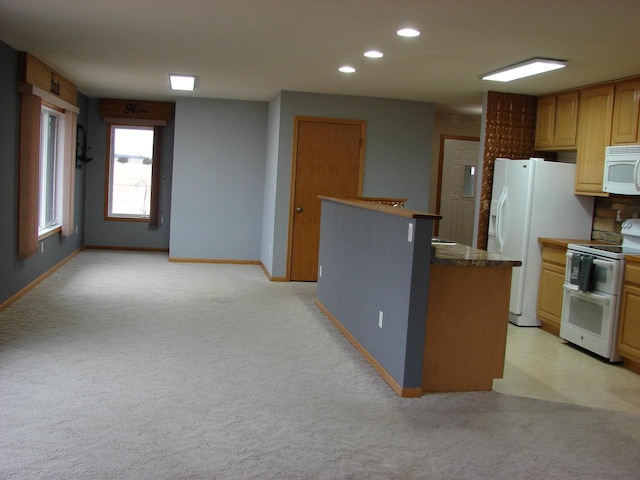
x,y
603,263
593,297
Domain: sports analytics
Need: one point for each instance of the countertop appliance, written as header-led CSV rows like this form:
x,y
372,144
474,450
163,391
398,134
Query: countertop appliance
x,y
592,292
533,198
622,170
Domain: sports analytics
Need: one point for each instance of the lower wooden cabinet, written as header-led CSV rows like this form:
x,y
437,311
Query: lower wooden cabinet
x,y
550,287
629,327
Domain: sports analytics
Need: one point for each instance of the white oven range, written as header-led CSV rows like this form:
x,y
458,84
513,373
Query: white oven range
x,y
592,287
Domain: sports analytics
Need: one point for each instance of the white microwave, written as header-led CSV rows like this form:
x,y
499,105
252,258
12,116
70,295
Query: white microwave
x,y
622,170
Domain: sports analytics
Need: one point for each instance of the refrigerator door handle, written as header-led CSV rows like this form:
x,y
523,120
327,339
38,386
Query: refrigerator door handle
x,y
501,202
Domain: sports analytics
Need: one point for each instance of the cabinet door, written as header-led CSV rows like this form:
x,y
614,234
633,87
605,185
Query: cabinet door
x,y
550,288
594,134
629,329
545,120
566,123
626,106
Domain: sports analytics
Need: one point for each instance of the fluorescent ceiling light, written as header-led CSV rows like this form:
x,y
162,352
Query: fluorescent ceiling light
x,y
524,69
182,82
346,69
408,32
373,54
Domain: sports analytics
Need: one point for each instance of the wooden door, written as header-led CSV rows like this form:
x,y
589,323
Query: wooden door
x,y
458,189
328,159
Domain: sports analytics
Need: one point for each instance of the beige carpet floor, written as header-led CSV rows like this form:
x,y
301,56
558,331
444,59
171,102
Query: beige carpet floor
x,y
122,365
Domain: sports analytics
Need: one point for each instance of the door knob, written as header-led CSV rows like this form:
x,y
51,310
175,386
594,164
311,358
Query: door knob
x,y
299,209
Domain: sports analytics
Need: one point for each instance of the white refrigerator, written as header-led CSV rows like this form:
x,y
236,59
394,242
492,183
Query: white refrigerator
x,y
530,199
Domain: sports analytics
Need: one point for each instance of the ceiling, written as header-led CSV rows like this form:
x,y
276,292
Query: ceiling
x,y
252,49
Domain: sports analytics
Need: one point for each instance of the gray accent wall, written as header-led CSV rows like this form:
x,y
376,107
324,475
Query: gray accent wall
x,y
397,154
218,179
99,232
369,266
16,273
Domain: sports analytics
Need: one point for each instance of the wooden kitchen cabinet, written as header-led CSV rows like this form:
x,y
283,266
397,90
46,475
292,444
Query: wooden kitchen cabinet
x,y
626,108
629,326
550,286
594,135
557,121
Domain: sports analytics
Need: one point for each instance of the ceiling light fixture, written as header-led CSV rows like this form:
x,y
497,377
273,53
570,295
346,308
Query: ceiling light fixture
x,y
527,68
182,82
347,69
373,54
408,32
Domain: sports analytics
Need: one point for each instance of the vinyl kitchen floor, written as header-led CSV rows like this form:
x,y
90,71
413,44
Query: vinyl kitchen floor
x,y
541,365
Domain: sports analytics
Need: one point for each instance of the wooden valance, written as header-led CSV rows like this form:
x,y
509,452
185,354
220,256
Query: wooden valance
x,y
136,110
34,72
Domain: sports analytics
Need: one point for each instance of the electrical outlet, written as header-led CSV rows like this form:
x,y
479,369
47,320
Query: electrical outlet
x,y
76,229
380,315
41,247
320,272
410,233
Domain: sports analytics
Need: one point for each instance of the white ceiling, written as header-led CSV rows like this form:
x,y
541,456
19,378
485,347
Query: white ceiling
x,y
252,49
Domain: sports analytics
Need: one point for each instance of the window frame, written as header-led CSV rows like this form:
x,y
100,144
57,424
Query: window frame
x,y
108,216
49,226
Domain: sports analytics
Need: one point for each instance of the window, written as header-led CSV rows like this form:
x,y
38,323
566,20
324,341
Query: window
x,y
50,170
130,172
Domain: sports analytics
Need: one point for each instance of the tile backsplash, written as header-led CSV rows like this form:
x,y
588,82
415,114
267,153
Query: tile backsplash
x,y
609,213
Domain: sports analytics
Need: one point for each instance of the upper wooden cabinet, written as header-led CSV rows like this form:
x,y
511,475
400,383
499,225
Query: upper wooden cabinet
x,y
556,121
626,107
594,135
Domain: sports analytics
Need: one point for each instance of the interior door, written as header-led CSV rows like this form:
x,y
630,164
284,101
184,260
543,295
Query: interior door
x,y
458,194
328,159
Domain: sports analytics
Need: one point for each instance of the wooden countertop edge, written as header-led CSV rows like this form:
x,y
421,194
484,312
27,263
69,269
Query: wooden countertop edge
x,y
463,262
378,207
563,242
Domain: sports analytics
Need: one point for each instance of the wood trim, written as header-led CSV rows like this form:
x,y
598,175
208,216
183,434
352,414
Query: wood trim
x,y
436,226
39,75
214,260
50,233
47,98
626,363
128,110
128,249
35,282
378,207
386,376
29,173
136,122
268,274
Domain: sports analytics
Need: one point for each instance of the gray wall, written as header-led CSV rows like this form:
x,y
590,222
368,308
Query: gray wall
x,y
368,266
16,273
102,233
218,179
397,154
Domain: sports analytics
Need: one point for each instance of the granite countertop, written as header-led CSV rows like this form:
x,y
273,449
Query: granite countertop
x,y
447,253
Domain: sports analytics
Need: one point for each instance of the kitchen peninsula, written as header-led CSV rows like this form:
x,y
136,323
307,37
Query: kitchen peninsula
x,y
427,318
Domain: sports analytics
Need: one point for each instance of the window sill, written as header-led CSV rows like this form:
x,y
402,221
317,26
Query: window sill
x,y
48,232
127,219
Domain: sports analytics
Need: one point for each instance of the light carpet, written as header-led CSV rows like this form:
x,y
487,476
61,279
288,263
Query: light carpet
x,y
122,365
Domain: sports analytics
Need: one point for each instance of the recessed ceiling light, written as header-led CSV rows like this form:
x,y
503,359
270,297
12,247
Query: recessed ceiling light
x,y
346,69
182,82
408,32
524,69
373,54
